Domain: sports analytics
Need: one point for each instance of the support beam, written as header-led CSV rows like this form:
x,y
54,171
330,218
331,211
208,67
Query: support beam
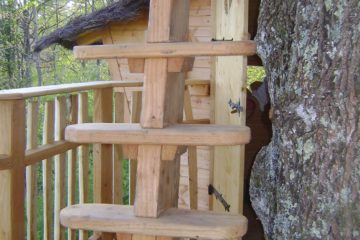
x,y
12,192
166,50
229,83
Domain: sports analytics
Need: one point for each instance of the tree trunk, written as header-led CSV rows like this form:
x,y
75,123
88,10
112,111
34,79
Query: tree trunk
x,y
306,183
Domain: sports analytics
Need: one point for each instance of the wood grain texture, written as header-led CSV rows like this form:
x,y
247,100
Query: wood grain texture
x,y
32,118
47,169
22,93
229,82
103,153
60,165
12,192
166,50
173,222
178,134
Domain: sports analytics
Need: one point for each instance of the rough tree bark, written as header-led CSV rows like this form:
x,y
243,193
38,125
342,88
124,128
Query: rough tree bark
x,y
306,183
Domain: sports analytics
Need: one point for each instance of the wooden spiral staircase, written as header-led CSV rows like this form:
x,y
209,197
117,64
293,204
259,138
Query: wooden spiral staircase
x,y
160,137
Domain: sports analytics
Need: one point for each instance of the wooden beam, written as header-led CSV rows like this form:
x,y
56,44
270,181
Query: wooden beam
x,y
31,182
103,153
47,169
5,162
177,134
229,83
47,151
22,93
83,117
60,165
166,50
12,192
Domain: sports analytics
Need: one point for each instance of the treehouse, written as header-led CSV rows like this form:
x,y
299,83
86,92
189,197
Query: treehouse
x,y
163,63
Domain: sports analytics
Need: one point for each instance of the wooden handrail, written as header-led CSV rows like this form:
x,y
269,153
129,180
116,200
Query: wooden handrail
x,y
161,50
48,150
22,93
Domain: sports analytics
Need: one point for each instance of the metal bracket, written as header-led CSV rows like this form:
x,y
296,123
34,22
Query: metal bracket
x,y
235,107
212,190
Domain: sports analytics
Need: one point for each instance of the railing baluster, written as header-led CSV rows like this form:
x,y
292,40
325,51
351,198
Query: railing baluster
x,y
83,117
72,155
118,154
12,143
31,186
48,138
60,164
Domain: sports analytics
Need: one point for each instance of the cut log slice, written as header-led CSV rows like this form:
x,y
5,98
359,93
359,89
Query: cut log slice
x,y
179,134
172,223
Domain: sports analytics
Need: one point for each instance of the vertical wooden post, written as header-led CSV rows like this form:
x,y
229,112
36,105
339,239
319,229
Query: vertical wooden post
x,y
83,117
192,155
103,153
157,180
118,153
135,118
229,82
71,163
48,137
31,186
60,164
12,192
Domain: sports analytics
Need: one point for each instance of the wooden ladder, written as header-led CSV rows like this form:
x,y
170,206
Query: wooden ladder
x,y
160,137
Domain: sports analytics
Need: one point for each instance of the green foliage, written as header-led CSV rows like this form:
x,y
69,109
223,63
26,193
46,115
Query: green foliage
x,y
255,74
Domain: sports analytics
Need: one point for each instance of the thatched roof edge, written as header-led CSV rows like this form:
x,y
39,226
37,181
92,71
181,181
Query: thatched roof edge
x,y
121,11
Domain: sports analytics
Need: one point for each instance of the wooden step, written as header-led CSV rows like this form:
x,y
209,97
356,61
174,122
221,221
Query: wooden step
x,y
172,223
166,50
179,134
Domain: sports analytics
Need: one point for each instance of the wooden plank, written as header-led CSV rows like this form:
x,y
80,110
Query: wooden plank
x,y
60,164
118,152
31,183
192,157
229,82
47,151
83,117
47,168
136,106
166,50
173,223
71,162
103,153
22,93
177,134
12,192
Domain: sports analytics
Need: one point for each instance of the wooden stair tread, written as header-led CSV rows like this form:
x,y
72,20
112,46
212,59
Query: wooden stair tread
x,y
179,134
172,223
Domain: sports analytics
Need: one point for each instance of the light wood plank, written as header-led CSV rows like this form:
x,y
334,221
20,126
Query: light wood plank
x,y
12,192
173,222
178,134
83,117
118,151
31,183
47,151
60,164
229,82
22,93
71,162
166,50
47,168
103,153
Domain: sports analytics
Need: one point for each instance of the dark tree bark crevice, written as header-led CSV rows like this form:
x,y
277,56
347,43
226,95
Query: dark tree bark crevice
x,y
306,183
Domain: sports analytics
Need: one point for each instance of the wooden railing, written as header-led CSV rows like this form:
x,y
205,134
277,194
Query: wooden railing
x,y
40,172
43,177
